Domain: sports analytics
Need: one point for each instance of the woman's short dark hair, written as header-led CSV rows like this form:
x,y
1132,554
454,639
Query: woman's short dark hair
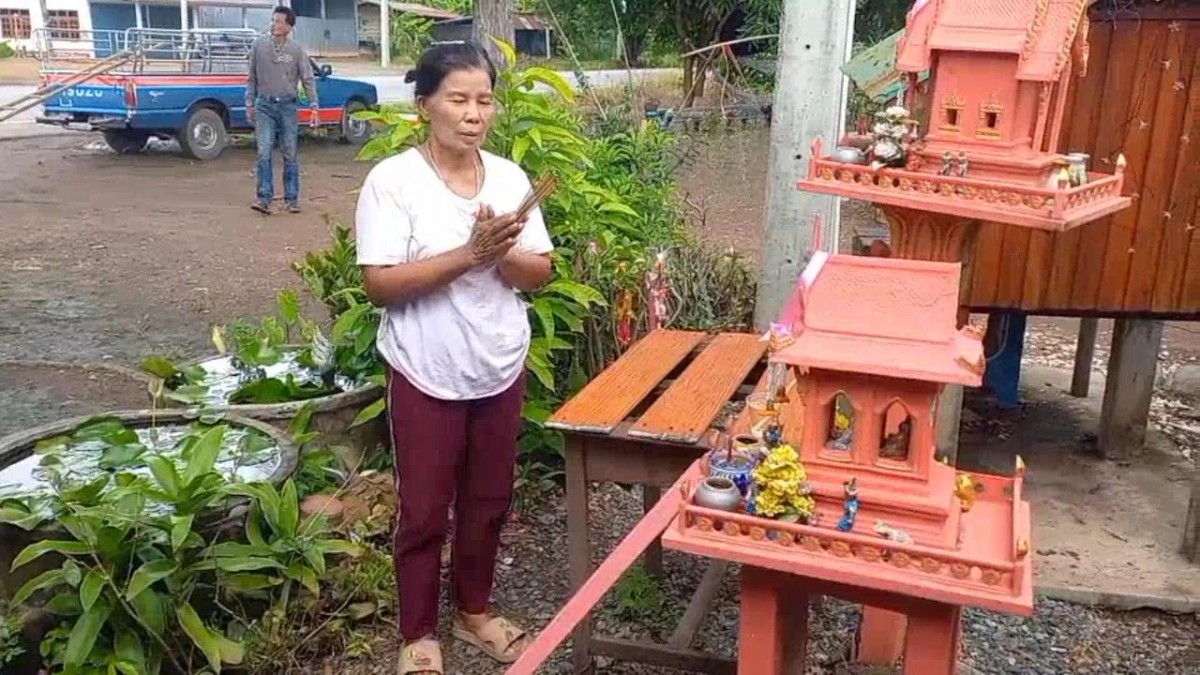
x,y
288,14
444,58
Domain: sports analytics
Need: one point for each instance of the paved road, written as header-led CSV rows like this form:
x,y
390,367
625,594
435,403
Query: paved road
x,y
392,89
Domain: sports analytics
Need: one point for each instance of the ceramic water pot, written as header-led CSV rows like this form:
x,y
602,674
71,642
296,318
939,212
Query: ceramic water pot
x,y
845,154
737,467
718,493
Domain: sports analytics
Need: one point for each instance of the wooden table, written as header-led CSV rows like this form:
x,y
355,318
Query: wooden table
x,y
645,420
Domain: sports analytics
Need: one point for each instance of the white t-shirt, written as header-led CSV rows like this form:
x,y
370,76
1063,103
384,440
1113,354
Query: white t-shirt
x,y
468,339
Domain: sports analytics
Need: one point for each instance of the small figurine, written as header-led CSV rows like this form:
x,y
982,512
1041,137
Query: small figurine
x,y
773,433
851,505
892,534
841,436
962,164
964,489
895,446
947,164
658,290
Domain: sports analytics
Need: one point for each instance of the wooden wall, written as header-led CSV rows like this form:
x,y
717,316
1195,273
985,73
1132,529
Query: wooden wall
x,y
1141,96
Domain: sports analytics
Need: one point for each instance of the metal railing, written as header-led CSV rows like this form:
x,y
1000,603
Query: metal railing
x,y
201,50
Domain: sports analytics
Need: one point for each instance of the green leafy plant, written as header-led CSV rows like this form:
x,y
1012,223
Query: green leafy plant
x,y
638,595
149,563
10,635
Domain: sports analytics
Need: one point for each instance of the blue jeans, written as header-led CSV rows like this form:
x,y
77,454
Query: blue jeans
x,y
276,122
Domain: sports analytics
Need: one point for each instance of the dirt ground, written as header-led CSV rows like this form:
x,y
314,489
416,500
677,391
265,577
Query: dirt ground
x,y
109,259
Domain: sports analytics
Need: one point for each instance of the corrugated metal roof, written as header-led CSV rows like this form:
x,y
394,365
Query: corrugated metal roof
x,y
418,9
524,21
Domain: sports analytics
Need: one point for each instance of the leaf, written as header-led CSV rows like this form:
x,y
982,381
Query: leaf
x,y
65,604
370,412
289,510
200,634
510,54
90,589
360,610
552,79
247,564
520,147
584,295
47,579
218,340
289,306
302,422
117,457
149,608
545,314
128,648
204,455
84,633
254,526
233,549
38,549
249,582
617,207
160,367
181,527
24,520
306,576
147,574
165,475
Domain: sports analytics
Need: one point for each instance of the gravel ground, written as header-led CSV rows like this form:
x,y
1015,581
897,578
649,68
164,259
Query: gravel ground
x,y
1060,639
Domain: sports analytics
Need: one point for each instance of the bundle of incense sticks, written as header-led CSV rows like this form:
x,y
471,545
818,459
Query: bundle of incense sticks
x,y
542,189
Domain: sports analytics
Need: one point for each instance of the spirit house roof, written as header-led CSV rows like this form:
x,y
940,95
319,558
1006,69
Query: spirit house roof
x,y
1041,33
883,316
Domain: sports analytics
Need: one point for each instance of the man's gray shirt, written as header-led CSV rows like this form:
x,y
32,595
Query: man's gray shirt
x,y
278,74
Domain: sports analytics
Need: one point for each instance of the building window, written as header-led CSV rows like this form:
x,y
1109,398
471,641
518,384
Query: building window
x,y
990,115
952,109
840,436
15,24
63,24
895,437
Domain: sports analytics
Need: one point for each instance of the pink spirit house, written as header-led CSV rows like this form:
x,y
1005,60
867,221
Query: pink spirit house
x,y
878,338
874,342
1000,74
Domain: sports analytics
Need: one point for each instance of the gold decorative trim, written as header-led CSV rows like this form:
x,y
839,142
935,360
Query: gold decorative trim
x,y
953,102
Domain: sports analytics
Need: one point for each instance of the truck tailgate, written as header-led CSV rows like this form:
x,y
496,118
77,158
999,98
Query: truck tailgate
x,y
103,94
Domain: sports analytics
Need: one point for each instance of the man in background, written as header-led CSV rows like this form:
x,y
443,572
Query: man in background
x,y
278,65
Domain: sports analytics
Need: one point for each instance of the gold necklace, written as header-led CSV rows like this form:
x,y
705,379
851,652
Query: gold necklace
x,y
475,166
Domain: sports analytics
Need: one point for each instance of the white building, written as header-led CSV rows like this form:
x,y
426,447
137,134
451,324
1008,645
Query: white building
x,y
67,19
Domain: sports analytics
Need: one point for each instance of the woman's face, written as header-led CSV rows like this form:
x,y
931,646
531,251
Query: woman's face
x,y
461,109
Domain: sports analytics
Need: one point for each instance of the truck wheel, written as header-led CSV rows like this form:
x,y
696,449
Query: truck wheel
x,y
354,132
126,141
203,135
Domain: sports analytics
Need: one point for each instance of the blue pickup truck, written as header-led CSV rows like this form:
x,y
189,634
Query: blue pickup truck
x,y
189,86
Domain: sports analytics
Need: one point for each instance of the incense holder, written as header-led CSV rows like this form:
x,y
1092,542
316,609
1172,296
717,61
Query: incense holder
x,y
736,466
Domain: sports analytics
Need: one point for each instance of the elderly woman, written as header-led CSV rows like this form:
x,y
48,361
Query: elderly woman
x,y
443,251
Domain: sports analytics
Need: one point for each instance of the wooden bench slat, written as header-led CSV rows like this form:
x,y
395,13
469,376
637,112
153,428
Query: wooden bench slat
x,y
615,392
685,412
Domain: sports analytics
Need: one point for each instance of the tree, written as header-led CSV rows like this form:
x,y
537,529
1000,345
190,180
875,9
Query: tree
x,y
494,19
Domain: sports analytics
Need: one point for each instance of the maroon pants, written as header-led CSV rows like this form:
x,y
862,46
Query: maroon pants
x,y
460,451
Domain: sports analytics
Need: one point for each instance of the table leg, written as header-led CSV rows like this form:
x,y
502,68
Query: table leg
x,y
773,635
931,646
579,554
880,636
652,560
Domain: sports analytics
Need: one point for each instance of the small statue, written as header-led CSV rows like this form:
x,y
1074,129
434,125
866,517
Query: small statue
x,y
962,164
841,436
892,534
895,446
773,433
947,164
851,505
964,489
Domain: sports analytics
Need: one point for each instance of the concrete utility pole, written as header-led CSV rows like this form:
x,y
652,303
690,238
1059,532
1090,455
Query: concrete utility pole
x,y
810,100
385,33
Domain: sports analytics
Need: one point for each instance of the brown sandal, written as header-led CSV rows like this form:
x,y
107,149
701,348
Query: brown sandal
x,y
495,638
423,657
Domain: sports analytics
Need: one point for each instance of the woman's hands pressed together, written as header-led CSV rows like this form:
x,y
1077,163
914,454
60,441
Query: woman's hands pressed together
x,y
493,236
